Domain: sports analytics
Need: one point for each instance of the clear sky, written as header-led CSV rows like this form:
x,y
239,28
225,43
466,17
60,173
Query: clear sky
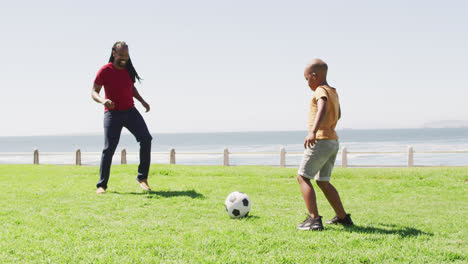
x,y
228,65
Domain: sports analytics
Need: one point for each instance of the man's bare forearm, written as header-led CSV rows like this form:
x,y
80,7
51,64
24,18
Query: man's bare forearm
x,y
137,95
95,94
97,98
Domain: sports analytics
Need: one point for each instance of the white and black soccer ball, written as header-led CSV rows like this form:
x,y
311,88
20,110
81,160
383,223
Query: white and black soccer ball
x,y
237,204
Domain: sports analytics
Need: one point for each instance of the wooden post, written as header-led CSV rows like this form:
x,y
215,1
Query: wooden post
x,y
282,157
36,156
78,157
172,156
344,157
226,157
123,156
410,156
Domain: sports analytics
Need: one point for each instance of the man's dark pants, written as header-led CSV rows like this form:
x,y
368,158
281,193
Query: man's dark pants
x,y
114,121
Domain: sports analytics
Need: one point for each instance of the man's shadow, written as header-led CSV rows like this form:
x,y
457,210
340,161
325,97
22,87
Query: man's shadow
x,y
166,194
403,232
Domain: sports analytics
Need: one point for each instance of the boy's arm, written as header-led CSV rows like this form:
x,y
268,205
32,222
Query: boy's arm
x,y
321,110
137,95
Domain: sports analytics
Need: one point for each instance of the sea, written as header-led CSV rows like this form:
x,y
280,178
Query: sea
x,y
251,148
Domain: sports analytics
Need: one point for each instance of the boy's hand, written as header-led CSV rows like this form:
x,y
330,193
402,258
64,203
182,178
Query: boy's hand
x,y
309,141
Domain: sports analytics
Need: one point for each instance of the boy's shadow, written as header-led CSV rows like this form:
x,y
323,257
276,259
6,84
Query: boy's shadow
x,y
393,230
167,194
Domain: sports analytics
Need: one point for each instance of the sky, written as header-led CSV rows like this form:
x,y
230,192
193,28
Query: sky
x,y
213,66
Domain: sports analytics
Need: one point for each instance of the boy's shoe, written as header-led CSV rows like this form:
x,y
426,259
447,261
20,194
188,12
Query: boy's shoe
x,y
312,224
100,190
345,221
304,222
144,185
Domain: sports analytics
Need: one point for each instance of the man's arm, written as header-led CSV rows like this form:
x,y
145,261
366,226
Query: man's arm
x,y
137,96
321,110
96,97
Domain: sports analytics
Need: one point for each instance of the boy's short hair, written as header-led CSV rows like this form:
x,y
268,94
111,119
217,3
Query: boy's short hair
x,y
317,66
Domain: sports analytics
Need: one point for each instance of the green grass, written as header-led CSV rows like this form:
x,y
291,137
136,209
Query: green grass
x,y
52,214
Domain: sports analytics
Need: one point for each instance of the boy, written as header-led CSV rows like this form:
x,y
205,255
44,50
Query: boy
x,y
321,146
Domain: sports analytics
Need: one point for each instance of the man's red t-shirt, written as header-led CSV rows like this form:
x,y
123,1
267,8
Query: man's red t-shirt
x,y
118,86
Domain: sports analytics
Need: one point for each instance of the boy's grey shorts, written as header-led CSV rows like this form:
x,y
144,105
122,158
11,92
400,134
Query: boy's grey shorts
x,y
318,161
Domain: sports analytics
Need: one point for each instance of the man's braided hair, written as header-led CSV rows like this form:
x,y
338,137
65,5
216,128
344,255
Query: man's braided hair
x,y
131,70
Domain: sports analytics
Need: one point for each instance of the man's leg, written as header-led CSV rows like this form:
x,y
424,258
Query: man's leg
x,y
333,198
137,126
112,129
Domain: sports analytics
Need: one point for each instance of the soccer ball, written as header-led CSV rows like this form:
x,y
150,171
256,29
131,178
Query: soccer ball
x,y
237,204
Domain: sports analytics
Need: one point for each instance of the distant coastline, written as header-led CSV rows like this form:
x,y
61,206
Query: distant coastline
x,y
428,126
446,124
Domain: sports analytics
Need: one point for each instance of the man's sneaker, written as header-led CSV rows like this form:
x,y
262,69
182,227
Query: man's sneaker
x,y
144,185
100,190
314,224
345,221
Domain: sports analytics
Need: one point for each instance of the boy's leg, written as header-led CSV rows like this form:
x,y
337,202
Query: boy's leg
x,y
313,159
332,195
137,126
112,129
333,198
308,194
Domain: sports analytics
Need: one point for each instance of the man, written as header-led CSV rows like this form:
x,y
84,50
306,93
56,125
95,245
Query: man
x,y
118,78
321,146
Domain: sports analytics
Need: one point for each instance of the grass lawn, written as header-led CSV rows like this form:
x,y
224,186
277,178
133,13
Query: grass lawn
x,y
52,214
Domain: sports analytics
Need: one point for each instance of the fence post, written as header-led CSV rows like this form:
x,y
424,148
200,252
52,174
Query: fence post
x,y
226,157
36,156
282,157
172,156
123,156
410,156
344,157
78,157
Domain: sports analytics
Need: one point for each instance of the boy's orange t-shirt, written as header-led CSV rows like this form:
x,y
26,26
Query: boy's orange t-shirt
x,y
327,125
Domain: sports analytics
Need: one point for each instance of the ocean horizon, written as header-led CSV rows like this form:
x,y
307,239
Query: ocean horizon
x,y
355,140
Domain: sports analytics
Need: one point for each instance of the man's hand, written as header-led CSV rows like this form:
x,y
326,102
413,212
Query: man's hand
x,y
146,106
137,95
309,141
109,104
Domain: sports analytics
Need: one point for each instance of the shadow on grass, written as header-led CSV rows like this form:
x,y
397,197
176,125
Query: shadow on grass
x,y
392,230
247,218
167,194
